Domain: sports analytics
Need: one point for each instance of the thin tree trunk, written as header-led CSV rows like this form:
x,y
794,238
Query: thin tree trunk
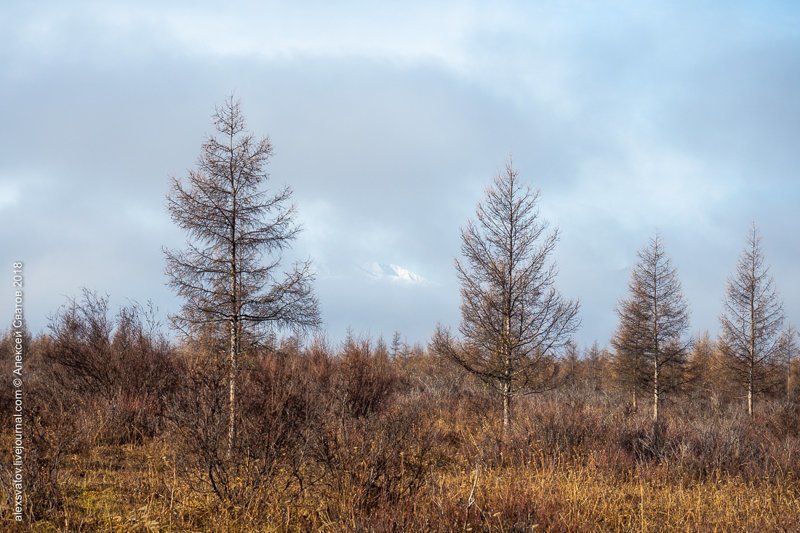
x,y
232,390
635,403
506,406
752,358
507,381
234,351
750,391
655,390
657,351
751,362
234,333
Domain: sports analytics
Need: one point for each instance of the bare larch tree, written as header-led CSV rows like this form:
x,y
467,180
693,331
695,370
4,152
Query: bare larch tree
x,y
652,321
229,273
751,321
514,322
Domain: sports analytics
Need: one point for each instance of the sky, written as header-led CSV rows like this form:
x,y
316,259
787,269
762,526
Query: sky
x,y
388,120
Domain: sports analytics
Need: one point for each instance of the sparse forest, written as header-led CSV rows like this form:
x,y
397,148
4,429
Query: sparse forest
x,y
239,415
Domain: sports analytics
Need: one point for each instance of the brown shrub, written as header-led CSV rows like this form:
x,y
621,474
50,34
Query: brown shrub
x,y
366,380
120,369
373,465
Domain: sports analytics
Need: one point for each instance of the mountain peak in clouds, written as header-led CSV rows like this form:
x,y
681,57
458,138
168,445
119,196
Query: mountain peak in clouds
x,y
393,273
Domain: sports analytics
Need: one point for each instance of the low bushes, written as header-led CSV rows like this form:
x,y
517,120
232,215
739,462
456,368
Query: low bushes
x,y
352,439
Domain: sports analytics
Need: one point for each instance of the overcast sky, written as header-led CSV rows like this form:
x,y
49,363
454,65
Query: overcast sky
x,y
388,122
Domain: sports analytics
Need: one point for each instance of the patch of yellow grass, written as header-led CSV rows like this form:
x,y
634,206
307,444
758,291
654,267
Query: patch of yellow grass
x,y
137,489
586,498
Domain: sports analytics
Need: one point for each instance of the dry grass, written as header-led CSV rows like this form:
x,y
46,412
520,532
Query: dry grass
x,y
136,488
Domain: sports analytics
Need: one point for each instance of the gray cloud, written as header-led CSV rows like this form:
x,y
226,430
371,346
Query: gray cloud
x,y
388,123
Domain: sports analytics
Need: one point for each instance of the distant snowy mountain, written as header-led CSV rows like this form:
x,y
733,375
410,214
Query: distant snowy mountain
x,y
393,273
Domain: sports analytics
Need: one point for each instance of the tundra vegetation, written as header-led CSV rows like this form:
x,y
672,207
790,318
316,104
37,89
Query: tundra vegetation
x,y
250,420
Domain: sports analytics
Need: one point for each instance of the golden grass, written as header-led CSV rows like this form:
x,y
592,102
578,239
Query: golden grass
x,y
136,488
588,498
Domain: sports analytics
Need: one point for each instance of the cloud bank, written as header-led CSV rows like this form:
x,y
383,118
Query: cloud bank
x,y
388,122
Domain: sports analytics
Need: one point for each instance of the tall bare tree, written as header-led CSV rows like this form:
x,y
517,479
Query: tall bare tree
x,y
751,321
514,322
229,272
652,323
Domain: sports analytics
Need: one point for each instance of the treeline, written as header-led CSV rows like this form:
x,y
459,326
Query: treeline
x,y
705,378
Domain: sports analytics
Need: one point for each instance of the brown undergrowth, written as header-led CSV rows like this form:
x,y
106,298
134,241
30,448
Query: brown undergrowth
x,y
128,433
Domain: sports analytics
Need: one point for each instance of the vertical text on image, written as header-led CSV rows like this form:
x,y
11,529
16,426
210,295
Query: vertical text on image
x,y
18,335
